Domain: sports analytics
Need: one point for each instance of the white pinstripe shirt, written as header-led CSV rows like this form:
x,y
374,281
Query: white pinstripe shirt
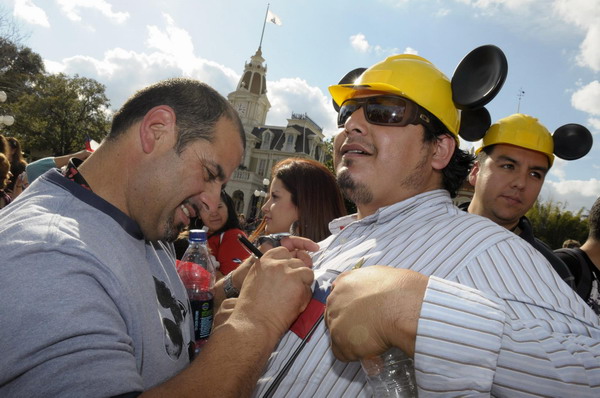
x,y
496,319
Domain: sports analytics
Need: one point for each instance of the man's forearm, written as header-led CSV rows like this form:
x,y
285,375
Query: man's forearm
x,y
229,364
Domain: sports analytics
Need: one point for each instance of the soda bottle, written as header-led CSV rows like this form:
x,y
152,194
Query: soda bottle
x,y
197,272
391,375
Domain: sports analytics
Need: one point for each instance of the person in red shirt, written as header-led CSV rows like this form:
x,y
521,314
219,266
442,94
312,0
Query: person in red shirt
x,y
223,229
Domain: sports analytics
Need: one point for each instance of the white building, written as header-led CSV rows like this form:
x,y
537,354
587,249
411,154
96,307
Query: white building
x,y
266,145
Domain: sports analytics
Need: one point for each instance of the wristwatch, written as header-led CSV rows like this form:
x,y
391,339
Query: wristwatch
x,y
230,290
272,239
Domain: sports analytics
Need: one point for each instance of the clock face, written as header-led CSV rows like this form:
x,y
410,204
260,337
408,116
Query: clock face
x,y
241,108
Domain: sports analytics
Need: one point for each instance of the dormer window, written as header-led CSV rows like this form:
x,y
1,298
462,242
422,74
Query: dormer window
x,y
267,137
290,140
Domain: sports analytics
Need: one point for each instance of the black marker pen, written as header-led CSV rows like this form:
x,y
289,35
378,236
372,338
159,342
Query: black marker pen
x,y
249,245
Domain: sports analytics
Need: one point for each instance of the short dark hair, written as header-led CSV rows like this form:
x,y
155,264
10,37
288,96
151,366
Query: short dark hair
x,y
594,220
457,170
197,106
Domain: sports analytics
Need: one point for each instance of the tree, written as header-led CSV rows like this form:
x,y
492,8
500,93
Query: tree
x,y
553,224
60,113
19,69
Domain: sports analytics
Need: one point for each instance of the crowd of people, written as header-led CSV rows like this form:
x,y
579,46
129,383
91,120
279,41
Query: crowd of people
x,y
93,305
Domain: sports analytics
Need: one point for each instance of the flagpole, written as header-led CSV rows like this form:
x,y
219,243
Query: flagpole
x,y
263,29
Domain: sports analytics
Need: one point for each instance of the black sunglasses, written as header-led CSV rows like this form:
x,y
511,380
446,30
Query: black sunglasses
x,y
384,110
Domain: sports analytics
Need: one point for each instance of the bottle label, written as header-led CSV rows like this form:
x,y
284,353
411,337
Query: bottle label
x,y
202,313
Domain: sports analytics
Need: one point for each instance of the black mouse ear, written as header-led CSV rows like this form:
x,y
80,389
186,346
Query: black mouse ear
x,y
572,141
348,78
479,77
474,124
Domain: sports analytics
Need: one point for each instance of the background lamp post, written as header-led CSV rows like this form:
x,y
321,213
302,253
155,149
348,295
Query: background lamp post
x,y
261,195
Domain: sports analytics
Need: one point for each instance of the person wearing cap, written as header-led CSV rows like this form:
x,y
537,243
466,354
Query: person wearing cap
x,y
479,309
512,162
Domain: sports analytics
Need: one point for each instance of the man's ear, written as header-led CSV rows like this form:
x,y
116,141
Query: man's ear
x,y
444,149
474,173
158,124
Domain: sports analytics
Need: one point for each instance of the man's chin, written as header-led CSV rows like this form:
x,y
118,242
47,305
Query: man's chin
x,y
355,191
172,231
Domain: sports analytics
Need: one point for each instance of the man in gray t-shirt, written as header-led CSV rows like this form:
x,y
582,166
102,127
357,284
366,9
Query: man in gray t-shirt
x,y
92,303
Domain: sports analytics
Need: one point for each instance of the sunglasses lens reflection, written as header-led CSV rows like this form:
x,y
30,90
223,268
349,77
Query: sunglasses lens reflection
x,y
383,110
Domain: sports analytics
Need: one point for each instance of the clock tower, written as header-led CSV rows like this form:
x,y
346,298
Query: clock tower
x,y
250,98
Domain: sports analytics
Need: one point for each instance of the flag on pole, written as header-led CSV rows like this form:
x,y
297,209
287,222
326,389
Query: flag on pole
x,y
273,18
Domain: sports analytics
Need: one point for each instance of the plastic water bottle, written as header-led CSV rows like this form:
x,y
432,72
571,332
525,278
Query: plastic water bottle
x,y
197,272
392,374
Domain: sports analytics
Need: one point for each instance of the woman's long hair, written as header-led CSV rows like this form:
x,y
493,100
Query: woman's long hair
x,y
17,156
314,192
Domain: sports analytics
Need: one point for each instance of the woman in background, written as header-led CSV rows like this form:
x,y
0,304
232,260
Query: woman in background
x,y
5,198
303,198
17,162
223,228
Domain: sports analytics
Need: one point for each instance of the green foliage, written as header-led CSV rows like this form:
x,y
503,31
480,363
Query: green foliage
x,y
19,69
553,224
61,113
53,113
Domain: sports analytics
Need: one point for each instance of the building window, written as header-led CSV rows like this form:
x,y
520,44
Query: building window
x,y
267,137
289,142
262,167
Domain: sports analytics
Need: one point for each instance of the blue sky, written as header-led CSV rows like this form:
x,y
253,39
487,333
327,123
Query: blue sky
x,y
552,47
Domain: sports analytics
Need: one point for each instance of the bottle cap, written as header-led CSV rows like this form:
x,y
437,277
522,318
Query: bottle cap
x,y
197,235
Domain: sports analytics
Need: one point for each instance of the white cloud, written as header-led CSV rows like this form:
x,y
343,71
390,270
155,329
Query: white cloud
x,y
442,12
594,125
359,43
72,9
30,13
173,41
587,98
558,168
170,55
574,194
296,95
53,66
490,6
585,15
123,72
409,50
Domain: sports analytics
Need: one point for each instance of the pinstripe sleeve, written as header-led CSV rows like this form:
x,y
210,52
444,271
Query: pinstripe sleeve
x,y
501,341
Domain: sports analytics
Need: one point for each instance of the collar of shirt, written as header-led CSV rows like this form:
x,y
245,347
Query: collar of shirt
x,y
399,211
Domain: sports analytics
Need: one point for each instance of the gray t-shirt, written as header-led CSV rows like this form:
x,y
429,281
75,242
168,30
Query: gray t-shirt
x,y
89,308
